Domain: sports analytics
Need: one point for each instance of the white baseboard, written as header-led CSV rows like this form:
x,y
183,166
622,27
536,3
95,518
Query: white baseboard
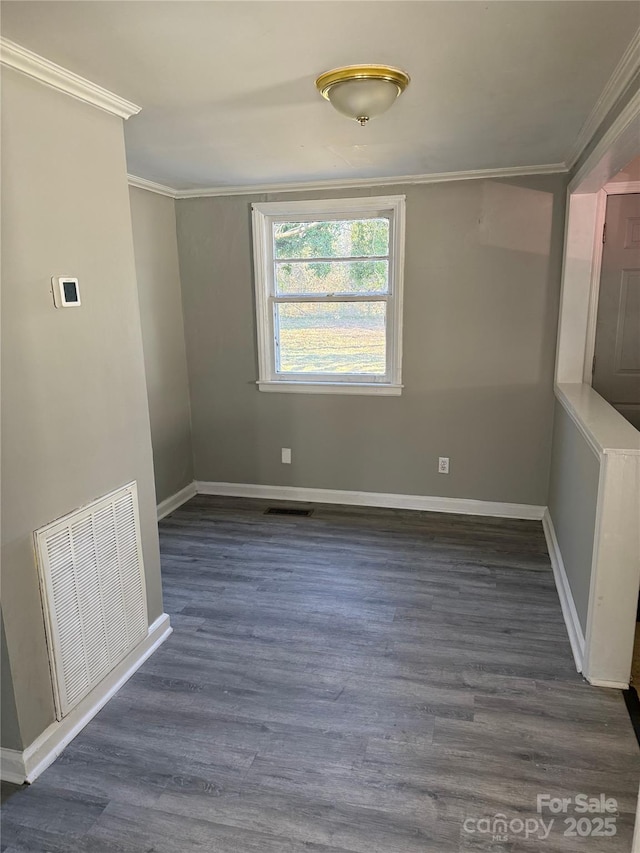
x,y
616,685
11,766
168,505
27,765
462,506
574,628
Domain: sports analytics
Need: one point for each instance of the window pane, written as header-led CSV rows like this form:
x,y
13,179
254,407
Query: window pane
x,y
347,238
332,337
332,277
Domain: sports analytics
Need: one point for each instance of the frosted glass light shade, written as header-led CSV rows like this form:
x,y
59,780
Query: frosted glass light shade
x,y
362,92
363,99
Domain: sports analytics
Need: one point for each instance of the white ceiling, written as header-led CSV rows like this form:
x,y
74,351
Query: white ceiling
x,y
227,94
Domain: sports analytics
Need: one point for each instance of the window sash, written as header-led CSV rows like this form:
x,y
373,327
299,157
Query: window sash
x,y
369,378
387,297
331,297
335,259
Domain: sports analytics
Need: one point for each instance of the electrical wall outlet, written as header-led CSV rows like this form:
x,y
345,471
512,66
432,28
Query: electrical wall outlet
x,y
286,456
443,465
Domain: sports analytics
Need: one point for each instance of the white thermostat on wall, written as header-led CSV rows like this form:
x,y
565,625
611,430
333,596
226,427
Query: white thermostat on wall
x,y
66,291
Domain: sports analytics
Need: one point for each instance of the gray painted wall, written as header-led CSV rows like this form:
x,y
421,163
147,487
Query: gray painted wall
x,y
481,295
156,251
75,422
9,726
573,496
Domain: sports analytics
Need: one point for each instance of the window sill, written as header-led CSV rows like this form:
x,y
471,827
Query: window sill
x,y
371,388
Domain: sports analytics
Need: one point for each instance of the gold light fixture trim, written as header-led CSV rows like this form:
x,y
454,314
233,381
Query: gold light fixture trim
x,y
350,73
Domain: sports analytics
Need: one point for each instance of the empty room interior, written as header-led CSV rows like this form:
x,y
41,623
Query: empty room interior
x,y
320,426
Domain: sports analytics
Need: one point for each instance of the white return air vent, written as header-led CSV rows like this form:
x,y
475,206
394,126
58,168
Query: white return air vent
x,y
93,592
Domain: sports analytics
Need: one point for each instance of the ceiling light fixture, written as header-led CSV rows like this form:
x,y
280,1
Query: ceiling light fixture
x,y
362,92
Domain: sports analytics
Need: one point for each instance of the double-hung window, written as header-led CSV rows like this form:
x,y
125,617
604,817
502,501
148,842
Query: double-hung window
x,y
329,295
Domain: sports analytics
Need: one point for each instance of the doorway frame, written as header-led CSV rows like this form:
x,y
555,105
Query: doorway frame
x,y
613,188
605,656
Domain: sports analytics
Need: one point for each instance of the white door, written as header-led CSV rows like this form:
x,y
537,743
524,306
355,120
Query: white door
x,y
616,369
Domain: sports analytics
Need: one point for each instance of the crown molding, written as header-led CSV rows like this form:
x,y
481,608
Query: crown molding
x,y
357,183
622,75
151,186
19,58
616,147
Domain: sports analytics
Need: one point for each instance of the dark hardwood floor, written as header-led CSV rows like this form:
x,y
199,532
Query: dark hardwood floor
x,y
361,680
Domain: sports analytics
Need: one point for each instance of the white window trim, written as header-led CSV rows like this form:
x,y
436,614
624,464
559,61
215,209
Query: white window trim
x,y
264,214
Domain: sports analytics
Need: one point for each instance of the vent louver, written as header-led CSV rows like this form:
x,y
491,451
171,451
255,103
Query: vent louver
x,y
92,581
